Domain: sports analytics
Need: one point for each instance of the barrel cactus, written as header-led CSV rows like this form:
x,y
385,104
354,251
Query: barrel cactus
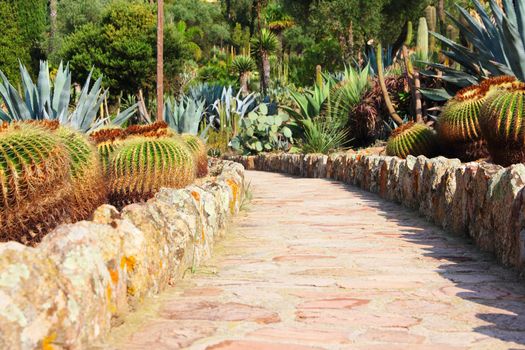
x,y
198,148
503,126
458,125
34,181
88,185
142,165
412,139
156,129
107,140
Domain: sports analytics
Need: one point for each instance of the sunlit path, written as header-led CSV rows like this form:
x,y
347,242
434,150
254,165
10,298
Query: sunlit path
x,y
315,264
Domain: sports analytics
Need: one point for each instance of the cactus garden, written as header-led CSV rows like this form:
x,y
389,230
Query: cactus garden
x,y
131,132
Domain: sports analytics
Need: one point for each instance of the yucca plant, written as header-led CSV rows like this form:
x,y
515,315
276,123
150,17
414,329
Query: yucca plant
x,y
348,92
264,44
243,66
412,139
34,181
322,135
141,166
502,124
88,186
199,151
48,100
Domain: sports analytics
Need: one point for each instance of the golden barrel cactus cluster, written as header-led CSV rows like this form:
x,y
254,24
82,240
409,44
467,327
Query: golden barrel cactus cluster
x,y
51,174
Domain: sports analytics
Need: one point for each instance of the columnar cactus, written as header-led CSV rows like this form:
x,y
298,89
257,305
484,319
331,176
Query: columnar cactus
x,y
503,126
412,139
458,125
88,185
34,181
198,148
141,166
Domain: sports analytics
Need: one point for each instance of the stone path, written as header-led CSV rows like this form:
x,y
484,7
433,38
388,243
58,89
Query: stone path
x,y
315,264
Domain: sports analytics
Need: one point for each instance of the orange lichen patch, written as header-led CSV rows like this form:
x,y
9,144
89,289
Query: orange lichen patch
x,y
196,195
129,262
114,275
47,342
203,235
235,189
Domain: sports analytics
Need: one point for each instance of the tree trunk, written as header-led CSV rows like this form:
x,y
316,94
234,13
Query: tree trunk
x,y
265,78
160,60
243,81
53,26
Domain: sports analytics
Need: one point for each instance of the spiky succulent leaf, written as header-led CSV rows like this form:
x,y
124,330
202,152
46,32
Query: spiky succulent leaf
x,y
243,64
412,139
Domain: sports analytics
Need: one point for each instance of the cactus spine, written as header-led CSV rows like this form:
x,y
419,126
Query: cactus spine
x,y
503,126
107,140
34,181
198,149
412,139
141,166
458,126
88,185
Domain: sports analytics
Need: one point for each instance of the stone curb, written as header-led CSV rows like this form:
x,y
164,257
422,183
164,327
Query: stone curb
x,y
66,292
479,200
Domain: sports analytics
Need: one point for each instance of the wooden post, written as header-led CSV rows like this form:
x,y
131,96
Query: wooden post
x,y
160,60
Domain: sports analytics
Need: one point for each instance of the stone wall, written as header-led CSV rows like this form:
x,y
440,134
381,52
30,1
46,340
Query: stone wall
x,y
480,200
69,290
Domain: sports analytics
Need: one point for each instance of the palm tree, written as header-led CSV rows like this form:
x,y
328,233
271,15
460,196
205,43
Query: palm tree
x,y
160,60
262,47
243,66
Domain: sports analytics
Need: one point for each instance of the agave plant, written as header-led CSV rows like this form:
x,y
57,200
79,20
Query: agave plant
x,y
243,66
47,100
184,115
497,39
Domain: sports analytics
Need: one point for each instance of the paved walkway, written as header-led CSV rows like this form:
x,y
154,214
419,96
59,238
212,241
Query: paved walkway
x,y
317,265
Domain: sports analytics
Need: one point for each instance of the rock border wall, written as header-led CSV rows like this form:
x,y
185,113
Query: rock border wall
x,y
68,291
479,200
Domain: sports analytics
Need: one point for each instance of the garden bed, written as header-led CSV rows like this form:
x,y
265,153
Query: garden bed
x,y
482,201
67,291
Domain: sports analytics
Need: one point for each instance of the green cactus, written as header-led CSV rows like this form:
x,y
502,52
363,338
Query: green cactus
x,y
198,149
410,34
107,140
422,49
141,166
431,17
458,126
34,181
412,139
88,185
502,124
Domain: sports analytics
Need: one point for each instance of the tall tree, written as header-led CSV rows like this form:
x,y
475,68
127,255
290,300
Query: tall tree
x,y
160,60
264,45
